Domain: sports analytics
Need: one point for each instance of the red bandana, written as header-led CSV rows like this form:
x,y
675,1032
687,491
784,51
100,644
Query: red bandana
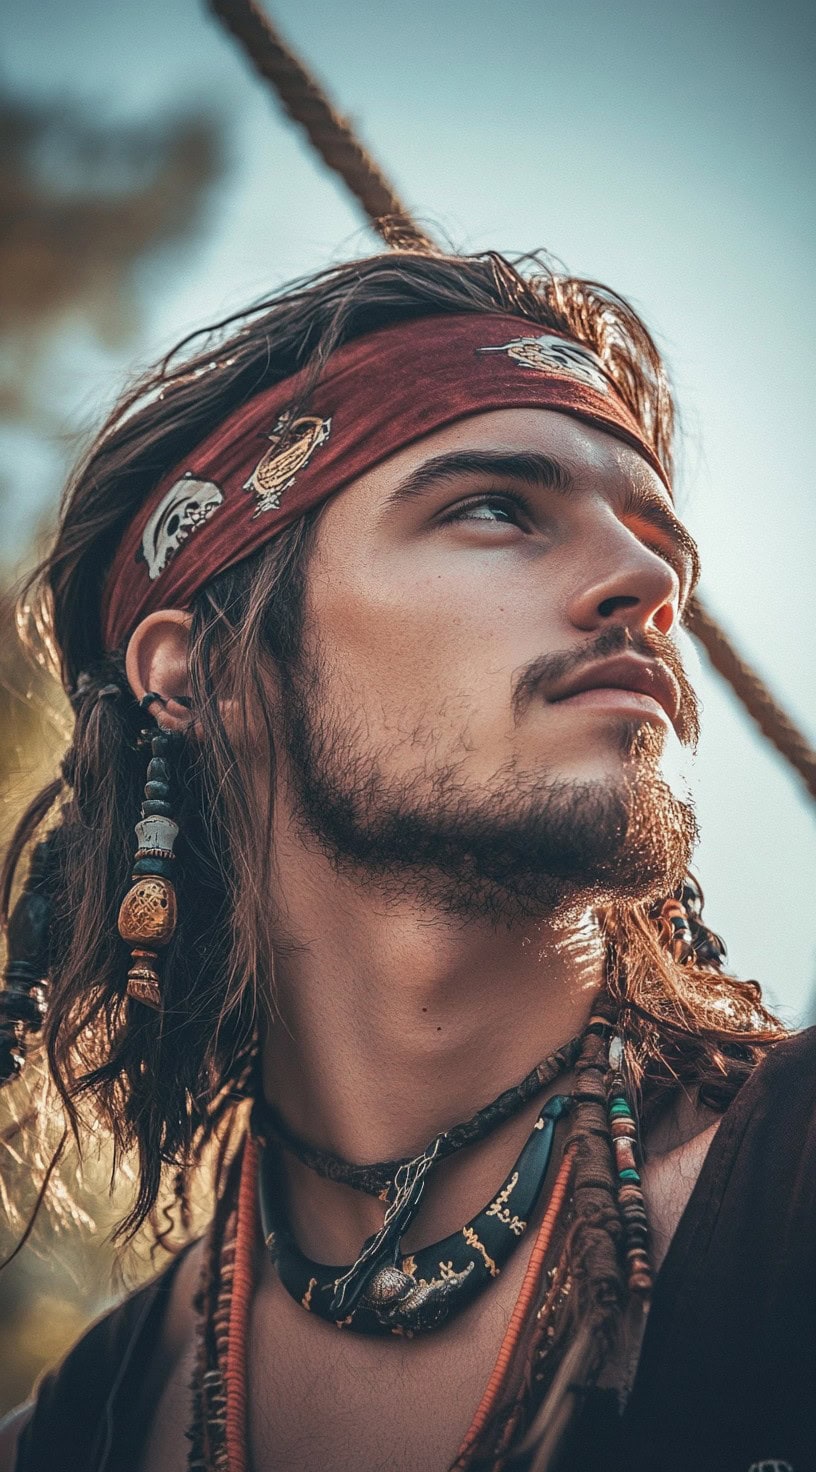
x,y
377,394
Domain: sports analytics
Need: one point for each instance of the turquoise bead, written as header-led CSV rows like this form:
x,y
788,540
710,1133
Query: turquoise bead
x,y
630,1175
620,1106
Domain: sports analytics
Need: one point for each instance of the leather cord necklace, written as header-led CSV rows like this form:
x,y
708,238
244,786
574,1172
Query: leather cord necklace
x,y
379,1179
385,1290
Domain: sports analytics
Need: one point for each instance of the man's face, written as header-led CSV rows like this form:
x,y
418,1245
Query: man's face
x,y
489,702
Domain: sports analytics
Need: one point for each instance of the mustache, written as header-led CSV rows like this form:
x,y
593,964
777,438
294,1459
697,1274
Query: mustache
x,y
549,669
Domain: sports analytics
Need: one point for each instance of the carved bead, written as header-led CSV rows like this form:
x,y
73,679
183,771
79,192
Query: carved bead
x,y
157,832
148,913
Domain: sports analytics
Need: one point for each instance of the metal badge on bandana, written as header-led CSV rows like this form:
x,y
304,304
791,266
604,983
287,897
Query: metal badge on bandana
x,y
276,471
187,505
549,354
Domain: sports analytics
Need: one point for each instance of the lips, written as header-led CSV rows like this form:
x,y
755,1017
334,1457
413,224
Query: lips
x,y
624,672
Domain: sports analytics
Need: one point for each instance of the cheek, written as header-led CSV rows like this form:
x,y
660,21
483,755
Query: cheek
x,y
414,626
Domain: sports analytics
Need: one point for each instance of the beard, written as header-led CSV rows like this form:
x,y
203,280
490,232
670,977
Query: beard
x,y
523,845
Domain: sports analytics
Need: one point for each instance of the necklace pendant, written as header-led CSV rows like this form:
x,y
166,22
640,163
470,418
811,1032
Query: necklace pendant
x,y
387,1290
405,1305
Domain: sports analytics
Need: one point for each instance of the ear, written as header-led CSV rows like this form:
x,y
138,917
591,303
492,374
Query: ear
x,y
156,660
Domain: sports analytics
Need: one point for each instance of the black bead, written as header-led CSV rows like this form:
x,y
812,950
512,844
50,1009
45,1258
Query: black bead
x,y
158,770
157,791
636,1232
162,744
165,868
152,808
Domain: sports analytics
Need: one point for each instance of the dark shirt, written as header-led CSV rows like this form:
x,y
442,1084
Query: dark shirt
x,y
727,1375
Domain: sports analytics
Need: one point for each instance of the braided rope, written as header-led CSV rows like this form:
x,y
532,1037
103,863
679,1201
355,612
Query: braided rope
x,y
305,102
774,723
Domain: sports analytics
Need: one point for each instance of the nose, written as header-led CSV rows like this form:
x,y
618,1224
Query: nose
x,y
626,583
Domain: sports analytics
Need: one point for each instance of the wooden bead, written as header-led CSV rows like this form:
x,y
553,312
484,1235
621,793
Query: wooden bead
x,y
624,1155
622,1128
630,1193
143,979
640,1284
148,913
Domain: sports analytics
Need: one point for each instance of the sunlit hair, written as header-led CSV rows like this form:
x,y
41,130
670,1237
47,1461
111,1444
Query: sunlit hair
x,y
161,1086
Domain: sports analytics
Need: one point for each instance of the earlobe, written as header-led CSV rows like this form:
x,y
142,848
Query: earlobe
x,y
157,662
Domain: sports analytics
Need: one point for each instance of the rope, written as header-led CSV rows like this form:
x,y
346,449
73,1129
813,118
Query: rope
x,y
235,1374
305,102
774,723
518,1318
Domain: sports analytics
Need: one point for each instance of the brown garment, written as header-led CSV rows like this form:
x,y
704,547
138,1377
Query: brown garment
x,y
727,1372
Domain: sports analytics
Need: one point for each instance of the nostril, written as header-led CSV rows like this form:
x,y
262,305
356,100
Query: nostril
x,y
664,619
614,605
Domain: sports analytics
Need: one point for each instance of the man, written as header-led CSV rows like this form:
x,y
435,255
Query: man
x,y
391,583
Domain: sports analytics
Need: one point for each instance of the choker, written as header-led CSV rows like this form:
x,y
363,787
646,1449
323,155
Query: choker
x,y
380,1178
385,1291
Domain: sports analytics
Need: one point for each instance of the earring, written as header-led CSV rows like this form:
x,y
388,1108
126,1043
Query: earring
x,y
149,911
23,997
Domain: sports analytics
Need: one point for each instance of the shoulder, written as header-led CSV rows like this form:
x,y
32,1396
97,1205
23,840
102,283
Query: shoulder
x,y
98,1390
776,1105
772,1117
11,1428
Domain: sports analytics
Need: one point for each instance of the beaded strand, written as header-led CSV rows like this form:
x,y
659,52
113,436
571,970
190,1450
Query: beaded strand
x,y
623,1129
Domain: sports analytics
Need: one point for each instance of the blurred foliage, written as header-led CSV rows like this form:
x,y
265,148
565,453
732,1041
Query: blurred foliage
x,y
87,204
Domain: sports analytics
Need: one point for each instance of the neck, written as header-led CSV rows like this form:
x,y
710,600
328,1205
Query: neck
x,y
394,1022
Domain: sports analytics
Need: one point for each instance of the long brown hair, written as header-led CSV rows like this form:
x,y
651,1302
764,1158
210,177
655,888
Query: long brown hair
x,y
160,1084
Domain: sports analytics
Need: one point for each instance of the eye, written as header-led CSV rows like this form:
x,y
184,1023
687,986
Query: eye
x,y
498,508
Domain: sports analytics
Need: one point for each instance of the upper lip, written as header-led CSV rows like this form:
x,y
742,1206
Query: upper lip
x,y
624,672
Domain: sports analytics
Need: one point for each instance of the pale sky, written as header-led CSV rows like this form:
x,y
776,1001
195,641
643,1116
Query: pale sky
x,y
665,150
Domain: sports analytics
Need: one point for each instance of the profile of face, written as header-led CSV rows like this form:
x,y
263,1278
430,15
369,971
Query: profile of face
x,y
489,702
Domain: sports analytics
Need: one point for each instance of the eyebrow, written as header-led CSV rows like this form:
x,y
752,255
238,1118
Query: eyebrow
x,y
541,472
544,472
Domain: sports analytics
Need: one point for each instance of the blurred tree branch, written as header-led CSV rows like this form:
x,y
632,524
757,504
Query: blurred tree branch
x,y
85,204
